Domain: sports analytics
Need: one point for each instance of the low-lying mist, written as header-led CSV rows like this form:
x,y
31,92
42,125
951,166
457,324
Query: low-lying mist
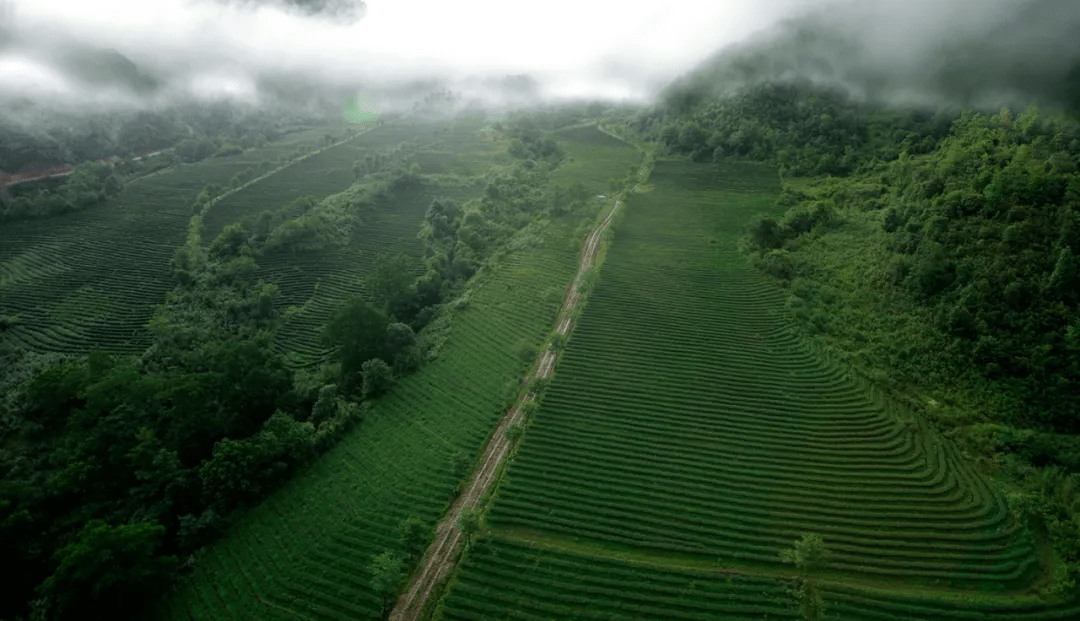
x,y
66,65
982,54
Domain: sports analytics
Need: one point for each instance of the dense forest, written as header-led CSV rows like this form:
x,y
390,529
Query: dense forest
x,y
117,470
933,249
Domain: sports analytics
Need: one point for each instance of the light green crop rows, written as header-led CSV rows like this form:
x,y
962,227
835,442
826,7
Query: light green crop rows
x,y
320,175
467,147
304,552
319,281
594,157
686,421
505,579
92,279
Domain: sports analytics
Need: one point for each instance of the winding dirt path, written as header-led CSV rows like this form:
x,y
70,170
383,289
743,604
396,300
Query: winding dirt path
x,y
442,553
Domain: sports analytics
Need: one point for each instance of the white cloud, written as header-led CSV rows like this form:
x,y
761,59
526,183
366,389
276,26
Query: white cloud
x,y
571,45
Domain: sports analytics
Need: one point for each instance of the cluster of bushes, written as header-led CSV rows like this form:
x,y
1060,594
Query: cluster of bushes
x,y
88,185
147,457
803,129
198,149
399,157
530,143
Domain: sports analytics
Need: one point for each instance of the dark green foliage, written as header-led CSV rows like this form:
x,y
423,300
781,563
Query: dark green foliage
x,y
107,572
529,143
390,285
195,150
326,407
387,571
88,185
984,234
358,331
415,534
767,233
401,344
377,376
801,128
470,521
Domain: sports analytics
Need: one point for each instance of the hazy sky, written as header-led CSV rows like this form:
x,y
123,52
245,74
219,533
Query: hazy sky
x,y
573,48
601,48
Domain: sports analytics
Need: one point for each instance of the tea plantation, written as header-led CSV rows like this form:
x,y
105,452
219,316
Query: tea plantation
x,y
689,438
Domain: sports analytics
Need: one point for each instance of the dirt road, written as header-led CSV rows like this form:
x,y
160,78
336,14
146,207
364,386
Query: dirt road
x,y
440,556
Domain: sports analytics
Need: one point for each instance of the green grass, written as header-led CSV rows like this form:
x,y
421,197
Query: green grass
x,y
686,420
307,547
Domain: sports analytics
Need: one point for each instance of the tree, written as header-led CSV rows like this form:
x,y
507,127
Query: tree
x,y
809,600
1063,279
107,572
400,339
358,331
414,535
234,474
587,283
377,377
527,354
469,522
514,432
387,573
558,342
808,555
326,407
391,279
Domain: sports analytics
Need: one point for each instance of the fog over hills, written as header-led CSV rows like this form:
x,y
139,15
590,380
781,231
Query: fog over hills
x,y
65,61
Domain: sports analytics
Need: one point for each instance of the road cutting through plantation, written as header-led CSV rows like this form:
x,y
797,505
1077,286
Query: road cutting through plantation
x,y
441,554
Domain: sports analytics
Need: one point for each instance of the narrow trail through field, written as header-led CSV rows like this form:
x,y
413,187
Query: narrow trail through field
x,y
442,553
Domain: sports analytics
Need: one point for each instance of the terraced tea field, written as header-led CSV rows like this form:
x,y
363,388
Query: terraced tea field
x,y
465,147
688,438
319,176
319,281
92,279
304,553
594,158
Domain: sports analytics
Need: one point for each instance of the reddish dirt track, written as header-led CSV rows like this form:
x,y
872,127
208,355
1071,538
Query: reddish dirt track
x,y
441,555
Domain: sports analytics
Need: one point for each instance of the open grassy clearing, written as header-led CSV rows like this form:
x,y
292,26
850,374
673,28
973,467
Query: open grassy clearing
x,y
91,279
687,420
304,552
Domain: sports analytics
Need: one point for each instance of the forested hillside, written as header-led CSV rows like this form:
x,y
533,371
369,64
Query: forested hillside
x,y
933,249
